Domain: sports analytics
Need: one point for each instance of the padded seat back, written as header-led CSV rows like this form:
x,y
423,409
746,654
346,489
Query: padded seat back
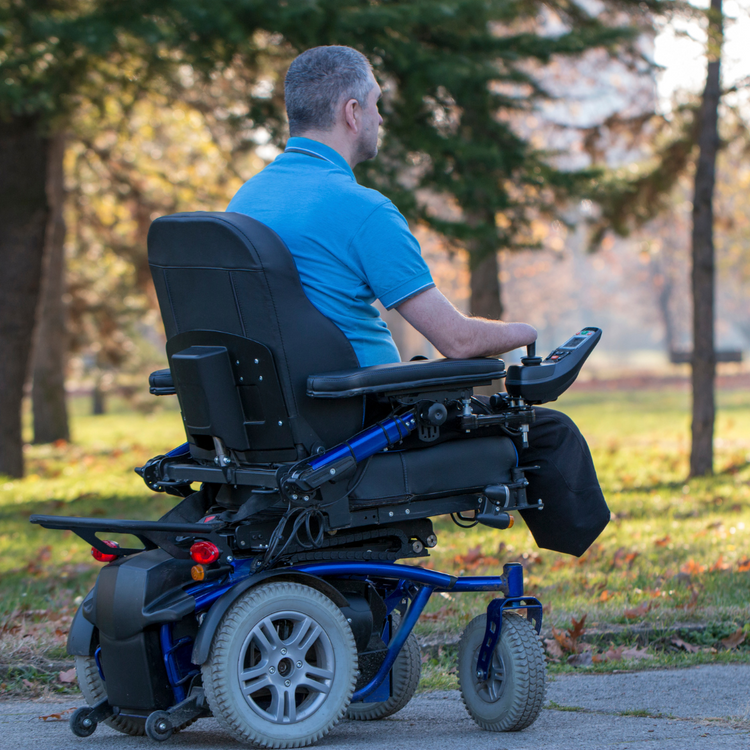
x,y
230,274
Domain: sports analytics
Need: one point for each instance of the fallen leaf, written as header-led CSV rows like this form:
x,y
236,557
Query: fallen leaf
x,y
734,640
68,676
691,567
689,647
636,653
692,603
663,542
578,629
581,660
62,716
553,648
641,610
720,565
611,654
744,565
605,596
563,640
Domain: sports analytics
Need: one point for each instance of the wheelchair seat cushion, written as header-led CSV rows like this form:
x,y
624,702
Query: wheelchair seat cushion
x,y
429,374
450,468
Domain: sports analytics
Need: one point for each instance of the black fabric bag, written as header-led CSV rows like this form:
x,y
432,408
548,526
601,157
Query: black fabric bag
x,y
575,511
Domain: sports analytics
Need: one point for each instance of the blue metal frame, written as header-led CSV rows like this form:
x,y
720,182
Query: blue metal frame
x,y
406,582
424,583
98,660
175,674
495,611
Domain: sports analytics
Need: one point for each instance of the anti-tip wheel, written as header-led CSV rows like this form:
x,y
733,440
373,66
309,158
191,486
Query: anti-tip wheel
x,y
159,726
282,666
93,689
80,723
512,697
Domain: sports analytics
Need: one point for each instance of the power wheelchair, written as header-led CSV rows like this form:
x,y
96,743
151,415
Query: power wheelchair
x,y
271,597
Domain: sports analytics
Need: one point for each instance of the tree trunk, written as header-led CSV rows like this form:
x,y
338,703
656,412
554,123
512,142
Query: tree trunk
x,y
98,398
704,354
486,300
50,346
23,218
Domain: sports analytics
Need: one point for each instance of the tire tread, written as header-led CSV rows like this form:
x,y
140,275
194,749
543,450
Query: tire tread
x,y
529,670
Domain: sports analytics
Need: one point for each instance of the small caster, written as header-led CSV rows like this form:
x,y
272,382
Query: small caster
x,y
81,724
159,726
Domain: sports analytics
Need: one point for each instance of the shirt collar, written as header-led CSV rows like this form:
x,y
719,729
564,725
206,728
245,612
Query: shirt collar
x,y
320,149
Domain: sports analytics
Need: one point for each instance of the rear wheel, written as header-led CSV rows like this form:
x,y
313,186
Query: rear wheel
x,y
94,691
405,674
282,666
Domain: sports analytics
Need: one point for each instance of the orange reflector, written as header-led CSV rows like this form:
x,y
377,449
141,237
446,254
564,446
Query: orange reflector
x,y
198,572
511,522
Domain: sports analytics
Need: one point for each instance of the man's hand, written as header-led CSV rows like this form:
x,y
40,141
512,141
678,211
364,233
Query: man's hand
x,y
458,337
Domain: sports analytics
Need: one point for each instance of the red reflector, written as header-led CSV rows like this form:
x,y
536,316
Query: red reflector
x,y
103,556
204,553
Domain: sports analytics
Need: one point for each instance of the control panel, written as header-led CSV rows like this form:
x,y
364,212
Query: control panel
x,y
538,381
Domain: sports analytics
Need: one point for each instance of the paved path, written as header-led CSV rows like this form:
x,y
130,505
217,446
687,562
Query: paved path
x,y
705,708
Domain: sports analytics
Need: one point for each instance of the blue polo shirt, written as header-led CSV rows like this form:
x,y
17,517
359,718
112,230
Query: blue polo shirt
x,y
351,245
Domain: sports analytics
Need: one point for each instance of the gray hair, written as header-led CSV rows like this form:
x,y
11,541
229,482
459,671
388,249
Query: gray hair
x,y
318,80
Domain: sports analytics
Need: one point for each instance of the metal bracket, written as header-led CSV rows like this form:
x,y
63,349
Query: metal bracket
x,y
495,611
101,711
191,708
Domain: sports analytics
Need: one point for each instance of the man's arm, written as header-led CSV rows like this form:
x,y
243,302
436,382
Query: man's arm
x,y
458,337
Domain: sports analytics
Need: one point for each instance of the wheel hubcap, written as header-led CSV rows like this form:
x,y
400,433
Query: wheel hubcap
x,y
491,689
286,667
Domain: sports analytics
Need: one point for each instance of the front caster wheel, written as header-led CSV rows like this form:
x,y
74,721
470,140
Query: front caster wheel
x,y
282,666
80,723
512,697
159,726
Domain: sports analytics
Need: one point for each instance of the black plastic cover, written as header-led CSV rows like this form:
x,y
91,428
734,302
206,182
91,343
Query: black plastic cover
x,y
160,383
138,591
406,377
81,633
228,387
455,467
135,673
208,396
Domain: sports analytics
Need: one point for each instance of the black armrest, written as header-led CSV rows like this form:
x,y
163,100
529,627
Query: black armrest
x,y
406,377
160,383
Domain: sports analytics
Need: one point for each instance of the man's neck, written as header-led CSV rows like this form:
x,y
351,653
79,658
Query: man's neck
x,y
332,139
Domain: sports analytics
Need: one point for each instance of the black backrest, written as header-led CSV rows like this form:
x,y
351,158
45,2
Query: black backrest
x,y
228,273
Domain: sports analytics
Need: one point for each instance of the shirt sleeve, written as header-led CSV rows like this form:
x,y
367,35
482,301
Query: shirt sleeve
x,y
390,257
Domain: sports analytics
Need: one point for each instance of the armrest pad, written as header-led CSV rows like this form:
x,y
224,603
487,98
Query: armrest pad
x,y
405,377
160,383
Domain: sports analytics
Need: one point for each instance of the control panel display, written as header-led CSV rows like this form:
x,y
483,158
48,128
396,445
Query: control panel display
x,y
542,381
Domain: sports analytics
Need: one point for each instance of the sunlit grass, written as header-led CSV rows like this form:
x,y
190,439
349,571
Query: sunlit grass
x,y
680,546
676,552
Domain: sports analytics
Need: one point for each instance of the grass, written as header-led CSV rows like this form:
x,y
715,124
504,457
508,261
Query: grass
x,y
674,556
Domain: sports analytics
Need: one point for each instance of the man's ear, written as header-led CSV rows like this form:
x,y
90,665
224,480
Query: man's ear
x,y
353,115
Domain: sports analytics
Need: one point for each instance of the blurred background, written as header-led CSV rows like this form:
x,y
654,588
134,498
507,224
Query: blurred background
x,y
545,154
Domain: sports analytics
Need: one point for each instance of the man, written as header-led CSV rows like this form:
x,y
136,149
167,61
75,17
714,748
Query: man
x,y
352,246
